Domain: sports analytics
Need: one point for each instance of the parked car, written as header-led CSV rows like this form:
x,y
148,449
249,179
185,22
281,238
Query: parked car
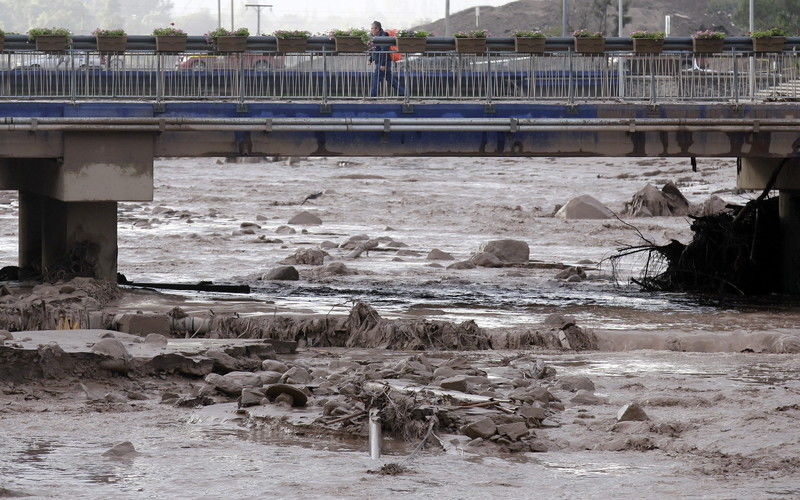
x,y
258,62
61,62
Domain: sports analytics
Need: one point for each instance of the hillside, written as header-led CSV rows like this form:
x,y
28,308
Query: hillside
x,y
687,16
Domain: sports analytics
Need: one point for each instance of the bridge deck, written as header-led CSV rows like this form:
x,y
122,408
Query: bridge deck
x,y
35,129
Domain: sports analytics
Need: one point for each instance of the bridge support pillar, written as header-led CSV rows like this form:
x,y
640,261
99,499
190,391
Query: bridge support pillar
x,y
79,238
68,204
31,214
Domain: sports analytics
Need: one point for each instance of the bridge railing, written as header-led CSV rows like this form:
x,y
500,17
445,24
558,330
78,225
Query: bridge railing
x,y
322,76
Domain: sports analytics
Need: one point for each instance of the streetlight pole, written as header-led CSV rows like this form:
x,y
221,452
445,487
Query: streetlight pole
x,y
219,13
564,17
621,62
446,17
258,7
232,28
752,68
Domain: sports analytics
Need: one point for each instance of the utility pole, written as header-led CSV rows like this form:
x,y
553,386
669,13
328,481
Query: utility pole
x,y
232,28
446,17
752,68
477,17
219,13
258,7
564,17
619,21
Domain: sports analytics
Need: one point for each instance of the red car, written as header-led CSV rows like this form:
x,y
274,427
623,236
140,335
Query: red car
x,y
258,62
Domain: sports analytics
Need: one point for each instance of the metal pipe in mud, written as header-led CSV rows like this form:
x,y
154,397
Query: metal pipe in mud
x,y
375,435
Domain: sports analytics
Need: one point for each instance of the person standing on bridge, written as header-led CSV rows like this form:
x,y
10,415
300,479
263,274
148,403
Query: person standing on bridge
x,y
382,60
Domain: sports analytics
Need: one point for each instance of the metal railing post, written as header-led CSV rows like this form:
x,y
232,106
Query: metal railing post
x,y
159,77
73,91
652,81
324,76
735,78
570,82
407,81
241,81
489,79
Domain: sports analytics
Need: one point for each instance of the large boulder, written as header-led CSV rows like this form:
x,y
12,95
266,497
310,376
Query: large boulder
x,y
513,251
437,254
486,259
584,207
307,257
631,412
711,206
282,273
142,324
652,202
305,219
483,428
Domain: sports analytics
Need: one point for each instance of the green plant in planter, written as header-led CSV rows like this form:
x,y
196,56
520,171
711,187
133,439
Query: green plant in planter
x,y
472,34
284,34
412,34
708,35
529,34
352,32
648,35
170,30
34,32
769,33
102,32
211,36
584,33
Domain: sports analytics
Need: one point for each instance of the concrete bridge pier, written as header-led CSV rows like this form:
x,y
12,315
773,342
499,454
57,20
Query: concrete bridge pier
x,y
756,173
68,204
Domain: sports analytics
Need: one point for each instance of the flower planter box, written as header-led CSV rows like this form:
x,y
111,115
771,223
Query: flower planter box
x,y
586,45
527,45
471,45
170,43
2,43
769,44
707,45
350,44
230,43
51,43
112,43
647,46
286,45
408,44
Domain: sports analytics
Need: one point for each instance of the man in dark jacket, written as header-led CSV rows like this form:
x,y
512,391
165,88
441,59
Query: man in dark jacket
x,y
383,64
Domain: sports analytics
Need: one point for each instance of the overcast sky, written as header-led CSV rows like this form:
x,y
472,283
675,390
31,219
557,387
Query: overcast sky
x,y
322,15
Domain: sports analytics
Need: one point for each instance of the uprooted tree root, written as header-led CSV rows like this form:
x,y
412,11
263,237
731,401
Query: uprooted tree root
x,y
733,252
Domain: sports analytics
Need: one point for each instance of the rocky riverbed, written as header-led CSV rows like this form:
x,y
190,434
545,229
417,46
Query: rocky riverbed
x,y
504,354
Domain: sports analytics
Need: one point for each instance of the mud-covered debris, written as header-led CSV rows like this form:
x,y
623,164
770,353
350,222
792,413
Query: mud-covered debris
x,y
156,339
391,469
306,257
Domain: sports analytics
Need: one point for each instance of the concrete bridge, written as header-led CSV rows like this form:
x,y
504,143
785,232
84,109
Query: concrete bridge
x,y
74,155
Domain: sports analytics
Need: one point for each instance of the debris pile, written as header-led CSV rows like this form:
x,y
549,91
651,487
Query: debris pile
x,y
736,251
